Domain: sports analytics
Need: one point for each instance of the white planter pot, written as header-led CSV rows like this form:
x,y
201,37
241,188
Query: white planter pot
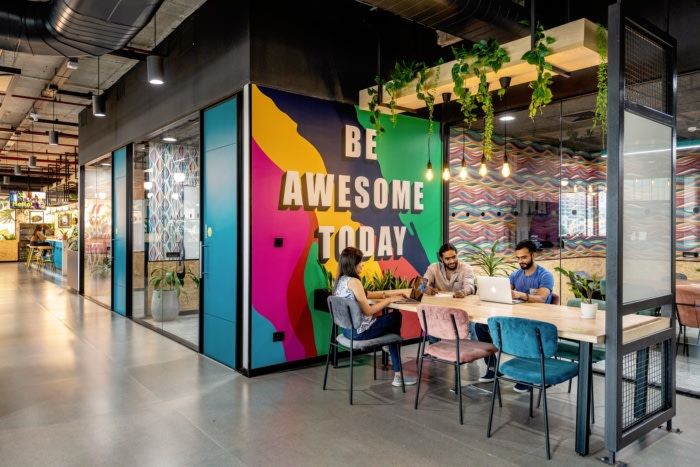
x,y
589,310
64,258
165,306
70,266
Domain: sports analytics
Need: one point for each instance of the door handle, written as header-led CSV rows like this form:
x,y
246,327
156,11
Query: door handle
x,y
202,246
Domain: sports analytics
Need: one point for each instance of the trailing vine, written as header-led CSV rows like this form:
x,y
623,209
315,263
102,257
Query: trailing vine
x,y
373,104
426,89
541,92
484,57
402,74
463,95
601,101
489,56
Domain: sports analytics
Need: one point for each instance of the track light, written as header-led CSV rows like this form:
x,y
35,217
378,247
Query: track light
x,y
53,137
31,162
6,180
98,106
483,170
72,64
33,115
18,170
429,171
155,69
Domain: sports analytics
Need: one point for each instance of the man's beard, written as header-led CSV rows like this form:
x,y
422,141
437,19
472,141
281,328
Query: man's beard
x,y
451,268
527,265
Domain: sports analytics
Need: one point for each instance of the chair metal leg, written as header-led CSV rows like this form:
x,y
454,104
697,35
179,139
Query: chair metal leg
x,y
590,390
403,384
569,391
374,361
420,374
546,420
351,375
539,399
420,348
531,394
458,383
678,339
493,401
459,393
500,401
325,373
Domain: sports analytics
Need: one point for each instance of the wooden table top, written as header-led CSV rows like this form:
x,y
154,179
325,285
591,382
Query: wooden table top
x,y
567,319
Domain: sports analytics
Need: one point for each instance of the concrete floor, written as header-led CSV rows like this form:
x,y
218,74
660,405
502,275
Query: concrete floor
x,y
82,386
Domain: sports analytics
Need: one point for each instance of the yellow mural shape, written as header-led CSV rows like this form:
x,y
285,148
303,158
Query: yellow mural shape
x,y
276,134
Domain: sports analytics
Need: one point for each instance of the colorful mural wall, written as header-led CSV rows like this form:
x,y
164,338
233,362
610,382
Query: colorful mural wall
x,y
687,206
322,181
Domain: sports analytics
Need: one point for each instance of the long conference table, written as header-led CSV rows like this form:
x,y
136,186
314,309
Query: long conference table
x,y
569,324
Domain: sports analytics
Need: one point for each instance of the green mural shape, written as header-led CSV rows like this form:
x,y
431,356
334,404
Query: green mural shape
x,y
402,153
314,278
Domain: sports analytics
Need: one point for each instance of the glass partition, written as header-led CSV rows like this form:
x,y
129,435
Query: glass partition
x,y
166,230
97,215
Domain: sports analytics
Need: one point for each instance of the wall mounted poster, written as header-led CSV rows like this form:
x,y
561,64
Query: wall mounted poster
x,y
323,180
36,217
64,220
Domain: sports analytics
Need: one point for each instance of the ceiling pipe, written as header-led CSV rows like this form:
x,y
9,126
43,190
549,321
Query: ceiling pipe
x,y
31,153
72,28
43,99
46,161
32,132
38,142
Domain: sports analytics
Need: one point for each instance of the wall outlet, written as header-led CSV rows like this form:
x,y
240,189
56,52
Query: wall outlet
x,y
277,336
278,242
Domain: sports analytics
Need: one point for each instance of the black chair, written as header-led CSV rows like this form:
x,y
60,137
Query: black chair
x,y
346,314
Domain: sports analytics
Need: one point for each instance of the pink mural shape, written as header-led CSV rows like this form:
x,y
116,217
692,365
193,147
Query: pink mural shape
x,y
275,269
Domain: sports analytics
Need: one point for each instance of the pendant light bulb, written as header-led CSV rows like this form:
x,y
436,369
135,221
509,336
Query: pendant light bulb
x,y
505,170
429,171
483,170
446,173
463,170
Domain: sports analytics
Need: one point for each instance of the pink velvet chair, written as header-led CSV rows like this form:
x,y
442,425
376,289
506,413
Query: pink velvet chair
x,y
451,325
688,309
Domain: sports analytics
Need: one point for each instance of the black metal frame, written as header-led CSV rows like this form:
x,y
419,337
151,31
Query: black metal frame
x,y
333,346
616,437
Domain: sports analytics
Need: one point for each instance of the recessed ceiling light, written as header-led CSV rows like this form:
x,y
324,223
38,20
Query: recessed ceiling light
x,y
169,139
507,118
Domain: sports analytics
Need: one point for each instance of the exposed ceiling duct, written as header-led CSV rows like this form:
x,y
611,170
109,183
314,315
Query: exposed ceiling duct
x,y
72,28
472,20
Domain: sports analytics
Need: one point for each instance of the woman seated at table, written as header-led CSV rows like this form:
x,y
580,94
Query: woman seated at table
x,y
39,239
348,285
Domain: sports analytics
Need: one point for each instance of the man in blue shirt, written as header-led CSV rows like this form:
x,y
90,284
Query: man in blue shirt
x,y
531,283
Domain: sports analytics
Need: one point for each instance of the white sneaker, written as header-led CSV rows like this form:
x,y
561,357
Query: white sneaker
x,y
407,380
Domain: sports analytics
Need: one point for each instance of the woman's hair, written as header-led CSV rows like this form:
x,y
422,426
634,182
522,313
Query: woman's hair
x,y
37,229
347,264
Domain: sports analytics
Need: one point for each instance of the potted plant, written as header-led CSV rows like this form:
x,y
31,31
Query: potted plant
x,y
584,289
167,288
541,92
487,261
321,295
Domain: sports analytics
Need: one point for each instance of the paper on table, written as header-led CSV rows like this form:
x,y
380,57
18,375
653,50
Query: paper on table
x,y
444,294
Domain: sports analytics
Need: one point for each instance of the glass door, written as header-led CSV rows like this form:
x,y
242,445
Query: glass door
x,y
97,265
166,233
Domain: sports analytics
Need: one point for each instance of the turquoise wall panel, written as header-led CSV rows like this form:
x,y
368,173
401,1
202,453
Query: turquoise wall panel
x,y
220,233
119,210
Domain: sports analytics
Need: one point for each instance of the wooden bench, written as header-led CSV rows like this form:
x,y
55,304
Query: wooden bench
x,y
38,250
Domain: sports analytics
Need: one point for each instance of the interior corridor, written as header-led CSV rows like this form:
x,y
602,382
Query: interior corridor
x,y
80,385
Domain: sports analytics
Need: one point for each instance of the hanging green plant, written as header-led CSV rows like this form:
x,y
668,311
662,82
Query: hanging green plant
x,y
460,71
402,74
373,104
601,101
541,92
426,88
488,56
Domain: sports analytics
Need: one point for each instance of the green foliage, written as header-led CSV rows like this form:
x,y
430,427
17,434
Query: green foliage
x,y
73,240
488,261
375,114
6,235
166,279
329,278
7,216
580,286
402,74
386,281
541,92
103,268
601,100
485,56
426,88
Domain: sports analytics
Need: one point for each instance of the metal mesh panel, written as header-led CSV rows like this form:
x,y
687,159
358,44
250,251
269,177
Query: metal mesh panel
x,y
643,374
645,72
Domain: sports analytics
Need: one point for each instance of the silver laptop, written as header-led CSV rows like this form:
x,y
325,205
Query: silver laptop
x,y
495,289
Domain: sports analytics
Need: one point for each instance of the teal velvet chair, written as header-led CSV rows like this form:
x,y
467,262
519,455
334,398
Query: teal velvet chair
x,y
533,344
